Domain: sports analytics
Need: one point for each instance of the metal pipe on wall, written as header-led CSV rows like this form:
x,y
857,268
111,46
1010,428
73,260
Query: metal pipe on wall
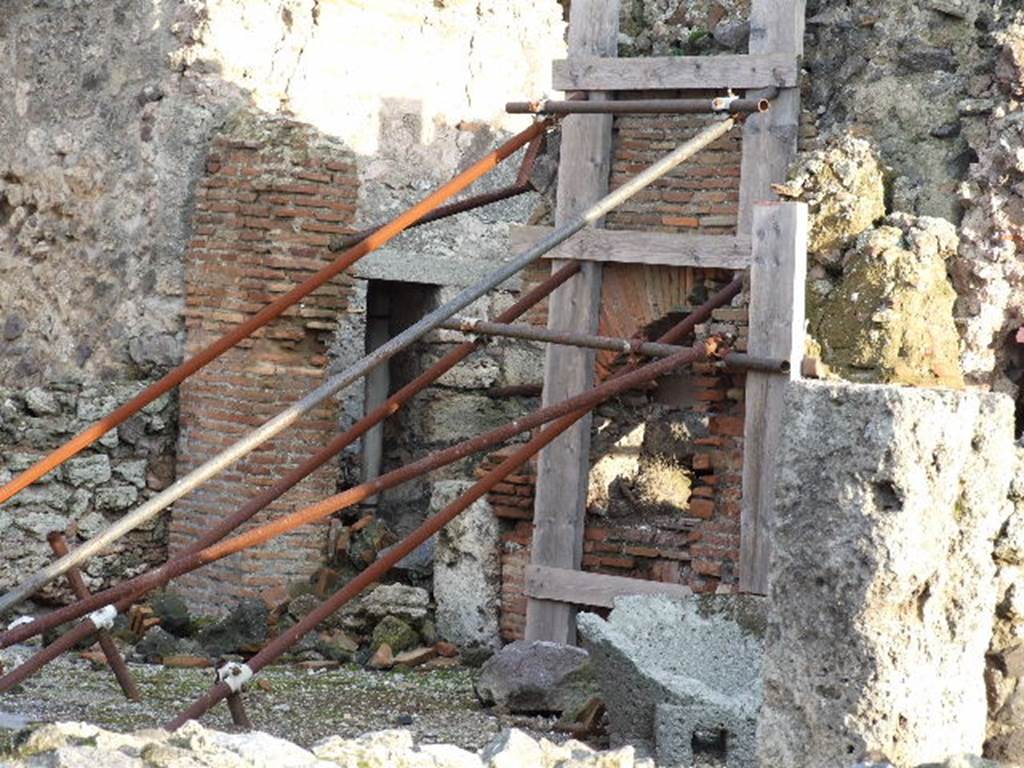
x,y
279,645
175,567
263,533
722,105
734,360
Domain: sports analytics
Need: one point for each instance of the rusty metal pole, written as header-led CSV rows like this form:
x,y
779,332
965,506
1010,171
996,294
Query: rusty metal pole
x,y
339,381
193,560
431,526
130,591
263,533
124,678
522,185
279,645
237,709
379,237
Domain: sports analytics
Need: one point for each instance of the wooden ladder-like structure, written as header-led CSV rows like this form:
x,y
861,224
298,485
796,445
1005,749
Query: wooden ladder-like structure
x,y
770,241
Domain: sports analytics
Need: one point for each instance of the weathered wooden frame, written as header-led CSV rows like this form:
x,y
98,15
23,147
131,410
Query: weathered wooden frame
x,y
770,240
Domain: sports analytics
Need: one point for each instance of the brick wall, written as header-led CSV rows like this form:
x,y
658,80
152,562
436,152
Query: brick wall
x,y
700,546
272,196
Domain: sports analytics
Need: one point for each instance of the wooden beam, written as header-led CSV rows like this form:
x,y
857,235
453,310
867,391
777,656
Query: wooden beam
x,y
629,247
563,467
770,139
777,277
579,588
590,73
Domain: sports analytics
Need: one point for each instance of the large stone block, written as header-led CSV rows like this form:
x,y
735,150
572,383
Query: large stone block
x,y
882,586
467,571
672,671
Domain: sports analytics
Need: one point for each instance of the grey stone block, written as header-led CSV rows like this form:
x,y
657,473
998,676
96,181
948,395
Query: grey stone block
x,y
670,667
882,578
536,676
681,731
467,570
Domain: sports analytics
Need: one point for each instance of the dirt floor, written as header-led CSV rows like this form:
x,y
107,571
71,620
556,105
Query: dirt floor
x,y
301,705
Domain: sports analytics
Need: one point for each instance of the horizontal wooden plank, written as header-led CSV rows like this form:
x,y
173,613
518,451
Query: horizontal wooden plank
x,y
562,585
592,73
629,247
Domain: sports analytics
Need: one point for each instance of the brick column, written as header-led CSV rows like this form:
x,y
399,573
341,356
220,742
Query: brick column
x,y
273,194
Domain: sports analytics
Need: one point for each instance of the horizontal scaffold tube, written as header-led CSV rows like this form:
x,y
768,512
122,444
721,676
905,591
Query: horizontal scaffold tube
x,y
125,594
174,377
185,563
343,379
521,455
723,105
734,360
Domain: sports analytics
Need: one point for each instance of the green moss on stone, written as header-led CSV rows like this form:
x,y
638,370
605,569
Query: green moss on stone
x,y
890,319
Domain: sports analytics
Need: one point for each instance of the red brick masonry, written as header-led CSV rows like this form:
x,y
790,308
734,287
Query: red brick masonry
x,y
265,211
701,548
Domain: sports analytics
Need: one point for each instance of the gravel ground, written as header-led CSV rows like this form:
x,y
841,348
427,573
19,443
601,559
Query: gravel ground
x,y
301,705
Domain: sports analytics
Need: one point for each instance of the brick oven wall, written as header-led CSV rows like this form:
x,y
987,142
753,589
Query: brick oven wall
x,y
272,195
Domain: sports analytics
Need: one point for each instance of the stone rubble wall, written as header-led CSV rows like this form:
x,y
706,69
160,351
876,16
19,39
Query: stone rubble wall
x,y
101,143
883,586
989,273
123,469
934,89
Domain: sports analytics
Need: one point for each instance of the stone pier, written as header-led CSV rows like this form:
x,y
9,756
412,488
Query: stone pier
x,y
882,579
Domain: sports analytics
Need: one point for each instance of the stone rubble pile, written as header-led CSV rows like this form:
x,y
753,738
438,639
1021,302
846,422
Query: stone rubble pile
x,y
71,745
390,626
82,745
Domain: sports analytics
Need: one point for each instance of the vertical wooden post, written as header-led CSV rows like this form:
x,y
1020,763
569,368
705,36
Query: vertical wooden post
x,y
770,139
563,467
777,276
